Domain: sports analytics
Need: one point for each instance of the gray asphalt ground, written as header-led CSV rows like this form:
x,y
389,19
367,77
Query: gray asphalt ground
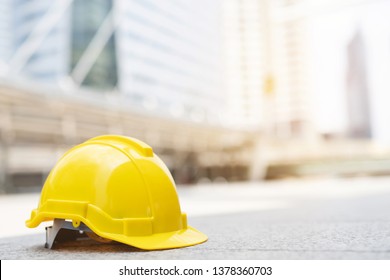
x,y
312,219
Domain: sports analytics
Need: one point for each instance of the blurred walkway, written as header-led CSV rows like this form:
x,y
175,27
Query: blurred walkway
x,y
311,219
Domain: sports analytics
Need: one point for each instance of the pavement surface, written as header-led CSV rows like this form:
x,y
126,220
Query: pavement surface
x,y
310,219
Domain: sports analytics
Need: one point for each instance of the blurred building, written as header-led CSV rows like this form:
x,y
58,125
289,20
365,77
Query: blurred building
x,y
71,70
170,57
38,47
266,67
246,60
93,52
5,34
348,48
163,57
302,69
4,28
292,115
217,87
328,62
359,119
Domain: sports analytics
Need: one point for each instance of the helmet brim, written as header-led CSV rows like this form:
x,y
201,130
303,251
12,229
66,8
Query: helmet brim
x,y
160,241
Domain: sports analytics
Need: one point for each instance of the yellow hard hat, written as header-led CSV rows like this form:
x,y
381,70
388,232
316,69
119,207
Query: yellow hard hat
x,y
116,187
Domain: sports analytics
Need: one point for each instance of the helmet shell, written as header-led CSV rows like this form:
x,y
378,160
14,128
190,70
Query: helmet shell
x,y
121,190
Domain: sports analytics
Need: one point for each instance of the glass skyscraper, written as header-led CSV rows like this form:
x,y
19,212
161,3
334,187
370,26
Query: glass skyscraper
x,y
170,56
38,41
163,57
87,17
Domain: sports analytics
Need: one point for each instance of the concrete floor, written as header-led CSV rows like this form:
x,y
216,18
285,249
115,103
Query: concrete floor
x,y
310,219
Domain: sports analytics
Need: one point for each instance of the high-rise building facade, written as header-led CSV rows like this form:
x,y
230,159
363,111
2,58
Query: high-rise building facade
x,y
287,64
290,59
163,57
358,102
38,39
6,43
89,20
265,66
170,56
245,30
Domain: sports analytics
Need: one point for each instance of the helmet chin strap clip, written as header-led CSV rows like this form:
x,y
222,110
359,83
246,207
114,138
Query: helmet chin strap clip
x,y
62,231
